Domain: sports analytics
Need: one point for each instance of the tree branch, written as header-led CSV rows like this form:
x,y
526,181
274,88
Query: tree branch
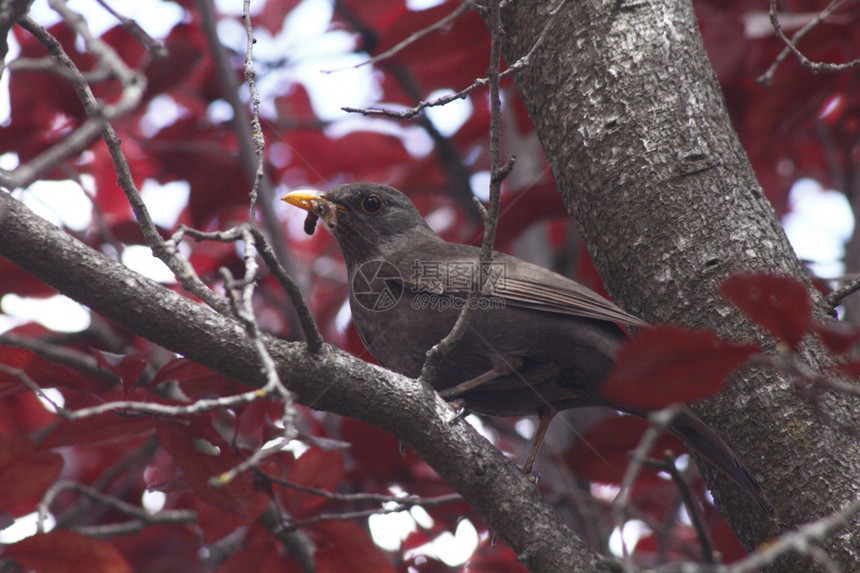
x,y
335,381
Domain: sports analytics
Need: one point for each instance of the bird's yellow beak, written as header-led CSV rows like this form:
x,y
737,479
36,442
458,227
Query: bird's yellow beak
x,y
310,201
317,206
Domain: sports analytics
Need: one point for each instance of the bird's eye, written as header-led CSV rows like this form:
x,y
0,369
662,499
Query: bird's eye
x,y
371,204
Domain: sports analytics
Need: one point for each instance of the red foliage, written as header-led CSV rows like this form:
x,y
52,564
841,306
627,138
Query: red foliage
x,y
779,304
803,125
667,364
202,454
67,552
602,453
25,473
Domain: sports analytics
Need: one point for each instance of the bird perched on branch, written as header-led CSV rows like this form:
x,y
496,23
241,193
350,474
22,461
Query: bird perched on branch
x,y
536,343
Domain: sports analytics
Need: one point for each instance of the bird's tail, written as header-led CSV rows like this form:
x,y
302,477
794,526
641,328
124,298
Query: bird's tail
x,y
700,437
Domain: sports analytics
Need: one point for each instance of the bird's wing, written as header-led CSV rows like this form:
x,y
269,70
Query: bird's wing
x,y
517,282
532,286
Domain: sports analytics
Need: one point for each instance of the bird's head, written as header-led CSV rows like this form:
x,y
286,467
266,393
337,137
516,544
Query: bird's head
x,y
367,219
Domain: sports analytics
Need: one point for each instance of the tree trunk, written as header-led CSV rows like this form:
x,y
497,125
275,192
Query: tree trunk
x,y
635,128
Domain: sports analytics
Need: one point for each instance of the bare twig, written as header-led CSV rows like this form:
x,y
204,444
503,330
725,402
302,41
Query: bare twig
x,y
395,507
407,501
141,518
803,540
461,9
312,334
791,44
256,129
667,464
490,217
833,299
165,251
133,86
11,12
241,294
249,136
458,173
660,420
306,318
443,100
156,48
60,354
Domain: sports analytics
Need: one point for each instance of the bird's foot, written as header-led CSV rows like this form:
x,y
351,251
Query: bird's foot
x,y
505,367
546,416
459,408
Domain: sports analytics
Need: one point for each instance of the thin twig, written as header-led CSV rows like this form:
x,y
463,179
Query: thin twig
x,y
241,300
142,518
256,129
156,48
165,250
133,86
490,217
406,501
306,318
443,100
803,540
308,324
660,420
60,354
791,44
667,464
411,39
833,299
249,136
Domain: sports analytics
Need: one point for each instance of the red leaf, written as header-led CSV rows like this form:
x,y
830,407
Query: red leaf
x,y
187,47
196,380
492,557
850,368
162,548
104,428
376,452
258,553
602,454
14,279
44,373
666,364
201,454
726,541
346,547
271,17
25,472
433,68
315,468
23,413
780,304
839,337
128,367
67,552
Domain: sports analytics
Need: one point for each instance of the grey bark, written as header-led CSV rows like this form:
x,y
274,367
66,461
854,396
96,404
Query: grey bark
x,y
634,126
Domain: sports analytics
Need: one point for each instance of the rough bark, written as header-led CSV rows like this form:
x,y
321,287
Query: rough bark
x,y
337,382
634,126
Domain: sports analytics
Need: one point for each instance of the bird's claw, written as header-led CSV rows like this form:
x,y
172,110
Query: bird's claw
x,y
459,408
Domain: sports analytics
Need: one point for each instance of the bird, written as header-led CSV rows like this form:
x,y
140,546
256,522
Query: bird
x,y
536,343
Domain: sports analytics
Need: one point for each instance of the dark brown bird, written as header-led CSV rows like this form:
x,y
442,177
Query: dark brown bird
x,y
537,343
